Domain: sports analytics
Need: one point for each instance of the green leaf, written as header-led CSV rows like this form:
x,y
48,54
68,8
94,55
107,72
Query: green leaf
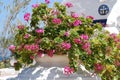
x,y
58,40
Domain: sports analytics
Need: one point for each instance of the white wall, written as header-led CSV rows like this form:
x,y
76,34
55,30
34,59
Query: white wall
x,y
114,16
89,7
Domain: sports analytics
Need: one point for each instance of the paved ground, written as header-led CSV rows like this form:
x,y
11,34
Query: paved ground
x,y
40,73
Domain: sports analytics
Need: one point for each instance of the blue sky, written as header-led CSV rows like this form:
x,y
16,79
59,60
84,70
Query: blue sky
x,y
4,13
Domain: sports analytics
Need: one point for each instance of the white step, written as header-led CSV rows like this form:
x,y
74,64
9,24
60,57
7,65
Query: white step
x,y
41,73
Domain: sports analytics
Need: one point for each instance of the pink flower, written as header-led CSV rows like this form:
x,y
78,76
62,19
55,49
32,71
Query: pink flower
x,y
117,63
31,57
91,17
32,47
66,46
113,35
40,54
77,41
98,67
20,47
86,46
40,31
74,15
89,52
35,5
118,46
12,47
27,36
57,21
50,52
116,40
68,70
47,1
55,12
27,47
27,16
84,37
67,33
77,22
68,4
20,27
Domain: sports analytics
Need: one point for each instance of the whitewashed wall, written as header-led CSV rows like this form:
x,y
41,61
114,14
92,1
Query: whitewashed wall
x,y
89,7
114,16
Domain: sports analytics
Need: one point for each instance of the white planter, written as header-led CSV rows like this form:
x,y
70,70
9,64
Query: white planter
x,y
55,61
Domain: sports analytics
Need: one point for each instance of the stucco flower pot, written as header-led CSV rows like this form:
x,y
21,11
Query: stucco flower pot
x,y
58,61
55,61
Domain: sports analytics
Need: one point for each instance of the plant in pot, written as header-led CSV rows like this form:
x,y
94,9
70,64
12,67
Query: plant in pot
x,y
105,57
60,34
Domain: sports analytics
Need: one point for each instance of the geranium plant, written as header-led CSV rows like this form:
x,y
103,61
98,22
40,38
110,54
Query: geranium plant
x,y
105,56
63,34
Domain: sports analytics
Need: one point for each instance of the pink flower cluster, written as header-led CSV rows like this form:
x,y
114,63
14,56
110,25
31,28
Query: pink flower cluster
x,y
35,5
12,47
115,37
86,47
67,33
66,46
77,22
26,36
50,52
68,4
77,41
98,67
57,21
91,17
55,12
32,47
117,63
68,70
39,31
74,15
40,53
31,57
83,40
47,1
26,16
20,27
84,37
20,48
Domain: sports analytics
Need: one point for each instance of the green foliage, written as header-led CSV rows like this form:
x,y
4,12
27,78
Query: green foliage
x,y
5,64
105,50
